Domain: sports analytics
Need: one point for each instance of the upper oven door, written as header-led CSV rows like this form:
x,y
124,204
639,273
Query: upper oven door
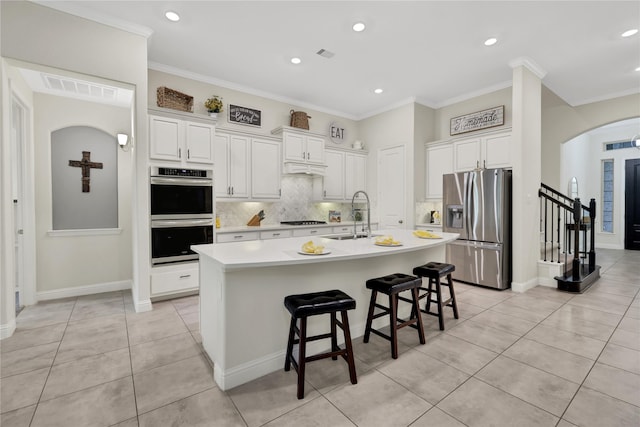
x,y
177,198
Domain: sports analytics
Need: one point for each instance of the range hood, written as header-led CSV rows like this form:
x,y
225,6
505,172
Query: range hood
x,y
304,168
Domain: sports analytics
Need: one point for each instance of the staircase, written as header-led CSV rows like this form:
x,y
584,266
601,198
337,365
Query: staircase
x,y
567,242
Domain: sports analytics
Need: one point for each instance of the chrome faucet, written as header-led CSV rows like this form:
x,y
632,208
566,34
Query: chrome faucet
x,y
355,232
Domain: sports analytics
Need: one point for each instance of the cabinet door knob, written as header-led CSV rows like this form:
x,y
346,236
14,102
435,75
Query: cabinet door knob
x,y
400,221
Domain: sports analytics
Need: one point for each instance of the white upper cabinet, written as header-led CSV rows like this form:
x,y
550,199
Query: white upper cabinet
x,y
303,148
345,174
231,171
302,151
496,151
355,175
199,142
485,151
179,140
439,162
333,185
265,169
467,154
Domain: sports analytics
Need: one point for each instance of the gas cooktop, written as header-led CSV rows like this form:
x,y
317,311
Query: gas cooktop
x,y
303,222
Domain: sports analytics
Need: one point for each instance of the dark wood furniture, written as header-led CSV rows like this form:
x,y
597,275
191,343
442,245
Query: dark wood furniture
x,y
303,306
434,271
391,286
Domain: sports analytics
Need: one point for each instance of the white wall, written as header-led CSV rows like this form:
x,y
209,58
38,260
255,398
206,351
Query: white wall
x,y
386,130
71,261
562,122
582,157
444,115
36,34
424,131
274,113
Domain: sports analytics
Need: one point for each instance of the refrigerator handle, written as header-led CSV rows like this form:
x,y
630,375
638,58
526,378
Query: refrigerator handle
x,y
468,206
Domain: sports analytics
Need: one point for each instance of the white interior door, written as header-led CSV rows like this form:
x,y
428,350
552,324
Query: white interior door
x,y
391,187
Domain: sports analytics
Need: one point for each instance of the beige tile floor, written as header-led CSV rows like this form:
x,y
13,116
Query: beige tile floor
x,y
542,358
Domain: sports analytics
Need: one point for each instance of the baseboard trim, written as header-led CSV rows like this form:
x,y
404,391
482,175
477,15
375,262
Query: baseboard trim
x,y
243,373
7,329
524,286
83,290
142,306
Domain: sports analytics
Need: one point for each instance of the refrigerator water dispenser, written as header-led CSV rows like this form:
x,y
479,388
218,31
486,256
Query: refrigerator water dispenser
x,y
454,216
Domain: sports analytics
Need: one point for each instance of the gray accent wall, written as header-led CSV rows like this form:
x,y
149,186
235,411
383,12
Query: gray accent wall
x,y
72,208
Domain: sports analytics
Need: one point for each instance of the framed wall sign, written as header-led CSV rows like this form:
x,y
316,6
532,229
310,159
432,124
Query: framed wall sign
x,y
476,121
337,133
245,115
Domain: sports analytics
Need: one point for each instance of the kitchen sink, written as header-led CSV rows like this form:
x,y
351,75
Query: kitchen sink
x,y
347,236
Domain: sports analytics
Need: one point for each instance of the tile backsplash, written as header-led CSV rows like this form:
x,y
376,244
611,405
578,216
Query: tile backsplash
x,y
423,211
296,203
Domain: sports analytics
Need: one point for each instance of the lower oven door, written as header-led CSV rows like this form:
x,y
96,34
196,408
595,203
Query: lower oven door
x,y
171,239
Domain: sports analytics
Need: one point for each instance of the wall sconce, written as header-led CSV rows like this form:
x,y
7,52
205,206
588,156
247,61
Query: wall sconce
x,y
123,141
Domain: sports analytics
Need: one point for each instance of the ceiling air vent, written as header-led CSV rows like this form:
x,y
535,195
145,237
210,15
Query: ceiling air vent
x,y
325,53
79,87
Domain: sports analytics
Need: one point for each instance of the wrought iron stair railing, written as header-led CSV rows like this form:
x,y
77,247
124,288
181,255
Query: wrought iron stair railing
x,y
567,228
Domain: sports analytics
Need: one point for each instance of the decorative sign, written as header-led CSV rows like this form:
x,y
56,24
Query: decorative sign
x,y
337,133
245,116
476,121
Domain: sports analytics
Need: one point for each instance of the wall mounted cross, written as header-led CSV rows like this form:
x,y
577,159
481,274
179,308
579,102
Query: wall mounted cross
x,y
86,164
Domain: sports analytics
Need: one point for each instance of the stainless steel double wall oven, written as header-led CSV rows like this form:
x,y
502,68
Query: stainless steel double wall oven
x,y
181,213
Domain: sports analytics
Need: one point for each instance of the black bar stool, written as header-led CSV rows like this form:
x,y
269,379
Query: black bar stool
x,y
301,307
392,285
434,271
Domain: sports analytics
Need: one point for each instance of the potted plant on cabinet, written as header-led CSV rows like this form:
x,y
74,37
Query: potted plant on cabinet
x,y
214,105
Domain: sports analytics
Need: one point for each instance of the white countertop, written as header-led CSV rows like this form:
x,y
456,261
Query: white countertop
x,y
277,252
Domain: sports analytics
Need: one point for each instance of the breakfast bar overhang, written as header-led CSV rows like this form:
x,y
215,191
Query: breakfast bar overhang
x,y
243,321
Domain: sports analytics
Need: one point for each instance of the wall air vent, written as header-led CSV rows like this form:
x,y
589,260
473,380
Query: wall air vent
x,y
325,53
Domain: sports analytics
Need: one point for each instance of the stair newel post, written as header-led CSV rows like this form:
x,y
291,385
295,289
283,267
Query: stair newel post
x,y
577,212
592,235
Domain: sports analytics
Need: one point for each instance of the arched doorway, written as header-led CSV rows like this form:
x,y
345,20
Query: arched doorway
x,y
597,159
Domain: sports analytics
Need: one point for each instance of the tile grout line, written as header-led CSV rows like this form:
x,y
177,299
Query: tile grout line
x,y
52,362
591,369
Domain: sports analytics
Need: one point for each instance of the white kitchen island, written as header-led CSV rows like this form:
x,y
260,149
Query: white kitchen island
x,y
243,321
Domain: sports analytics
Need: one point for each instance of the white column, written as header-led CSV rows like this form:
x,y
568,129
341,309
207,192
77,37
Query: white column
x,y
526,139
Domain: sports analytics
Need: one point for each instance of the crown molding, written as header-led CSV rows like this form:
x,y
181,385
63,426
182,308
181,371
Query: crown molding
x,y
530,64
76,9
245,89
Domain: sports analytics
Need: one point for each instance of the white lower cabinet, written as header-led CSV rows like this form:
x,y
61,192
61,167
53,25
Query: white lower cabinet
x,y
273,234
310,231
168,279
342,229
237,237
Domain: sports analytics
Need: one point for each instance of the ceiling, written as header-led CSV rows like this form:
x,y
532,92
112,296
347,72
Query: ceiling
x,y
431,52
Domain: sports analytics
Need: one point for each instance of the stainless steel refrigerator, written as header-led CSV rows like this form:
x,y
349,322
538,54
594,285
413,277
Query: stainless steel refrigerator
x,y
477,205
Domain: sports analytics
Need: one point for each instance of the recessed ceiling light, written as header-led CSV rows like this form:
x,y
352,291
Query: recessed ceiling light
x,y
358,26
490,41
378,91
172,16
296,61
638,69
630,32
